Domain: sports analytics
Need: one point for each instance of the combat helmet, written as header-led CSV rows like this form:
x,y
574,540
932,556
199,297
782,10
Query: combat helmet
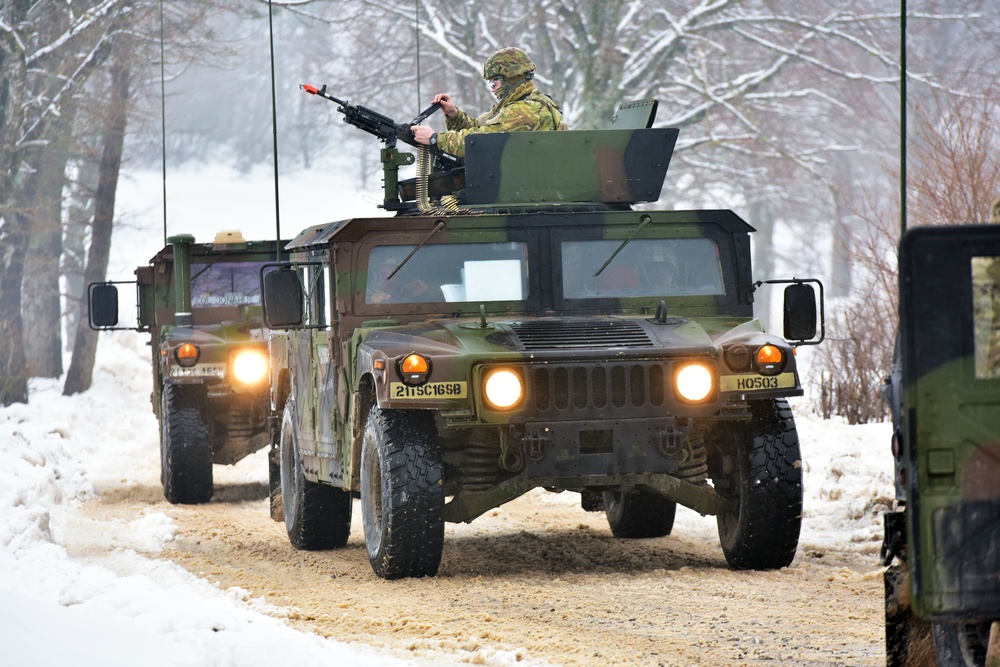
x,y
509,63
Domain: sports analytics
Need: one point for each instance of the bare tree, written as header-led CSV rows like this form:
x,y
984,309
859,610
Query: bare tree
x,y
81,368
48,50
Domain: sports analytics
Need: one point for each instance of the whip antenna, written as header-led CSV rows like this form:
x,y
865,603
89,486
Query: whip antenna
x,y
274,133
163,126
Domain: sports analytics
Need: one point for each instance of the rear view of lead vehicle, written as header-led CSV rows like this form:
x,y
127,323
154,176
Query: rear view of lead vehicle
x,y
942,544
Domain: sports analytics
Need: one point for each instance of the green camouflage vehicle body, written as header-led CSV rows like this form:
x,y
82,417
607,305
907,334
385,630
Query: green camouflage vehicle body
x,y
594,310
200,303
945,586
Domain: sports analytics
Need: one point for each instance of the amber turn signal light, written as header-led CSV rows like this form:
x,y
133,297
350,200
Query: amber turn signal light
x,y
187,354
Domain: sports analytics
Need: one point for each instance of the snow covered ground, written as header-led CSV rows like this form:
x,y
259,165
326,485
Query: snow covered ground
x,y
77,591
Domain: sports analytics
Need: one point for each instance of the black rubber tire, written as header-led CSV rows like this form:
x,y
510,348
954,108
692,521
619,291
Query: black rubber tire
x,y
961,644
402,493
185,449
639,514
317,516
763,531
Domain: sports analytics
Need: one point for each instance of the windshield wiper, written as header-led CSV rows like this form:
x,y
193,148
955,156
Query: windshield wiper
x,y
645,220
438,227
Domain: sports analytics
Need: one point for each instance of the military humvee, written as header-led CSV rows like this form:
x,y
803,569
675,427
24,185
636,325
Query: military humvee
x,y
942,543
200,303
533,331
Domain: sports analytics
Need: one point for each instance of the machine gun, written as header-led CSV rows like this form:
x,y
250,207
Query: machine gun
x,y
372,122
388,131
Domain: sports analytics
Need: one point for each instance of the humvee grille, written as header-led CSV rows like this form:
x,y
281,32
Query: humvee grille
x,y
587,388
579,334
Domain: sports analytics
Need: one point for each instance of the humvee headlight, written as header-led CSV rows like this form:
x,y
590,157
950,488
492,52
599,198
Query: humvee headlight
x,y
502,388
770,360
414,369
694,382
187,355
250,366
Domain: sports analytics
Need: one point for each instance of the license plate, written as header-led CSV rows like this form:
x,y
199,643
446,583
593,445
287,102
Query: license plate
x,y
755,382
443,390
199,370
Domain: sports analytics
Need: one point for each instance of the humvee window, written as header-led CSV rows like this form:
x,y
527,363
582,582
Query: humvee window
x,y
452,272
986,315
643,267
225,284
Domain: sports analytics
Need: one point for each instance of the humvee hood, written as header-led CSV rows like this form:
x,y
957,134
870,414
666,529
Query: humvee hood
x,y
571,335
218,334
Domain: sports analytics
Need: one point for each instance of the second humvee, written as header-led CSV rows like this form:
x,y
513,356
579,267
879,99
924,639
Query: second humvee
x,y
200,303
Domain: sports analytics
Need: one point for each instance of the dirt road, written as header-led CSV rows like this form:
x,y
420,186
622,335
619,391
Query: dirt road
x,y
538,581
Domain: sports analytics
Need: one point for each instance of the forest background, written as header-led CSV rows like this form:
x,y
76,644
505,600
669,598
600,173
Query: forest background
x,y
789,114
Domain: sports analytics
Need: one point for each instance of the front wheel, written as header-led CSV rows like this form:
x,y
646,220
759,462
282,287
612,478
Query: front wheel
x,y
762,532
639,514
317,516
185,449
402,493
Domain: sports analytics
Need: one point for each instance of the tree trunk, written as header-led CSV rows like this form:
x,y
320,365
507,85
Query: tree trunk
x,y
81,368
41,307
13,373
13,238
79,213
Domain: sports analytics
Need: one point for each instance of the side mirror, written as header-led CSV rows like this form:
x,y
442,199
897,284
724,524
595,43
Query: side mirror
x,y
800,312
282,292
103,305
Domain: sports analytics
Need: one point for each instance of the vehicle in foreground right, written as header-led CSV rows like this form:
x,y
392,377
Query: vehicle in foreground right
x,y
942,541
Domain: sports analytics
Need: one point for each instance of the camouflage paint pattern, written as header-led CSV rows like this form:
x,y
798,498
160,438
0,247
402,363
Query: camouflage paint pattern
x,y
509,62
578,166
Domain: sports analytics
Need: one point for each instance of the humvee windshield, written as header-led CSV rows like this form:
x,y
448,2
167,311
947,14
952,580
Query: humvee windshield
x,y
448,272
643,267
221,284
477,272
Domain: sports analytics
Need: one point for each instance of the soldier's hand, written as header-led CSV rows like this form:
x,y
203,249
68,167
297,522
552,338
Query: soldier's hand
x,y
449,107
422,134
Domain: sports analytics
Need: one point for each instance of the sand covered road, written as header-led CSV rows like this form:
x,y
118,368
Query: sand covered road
x,y
537,581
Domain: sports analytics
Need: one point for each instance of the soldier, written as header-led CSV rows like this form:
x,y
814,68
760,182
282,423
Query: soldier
x,y
520,105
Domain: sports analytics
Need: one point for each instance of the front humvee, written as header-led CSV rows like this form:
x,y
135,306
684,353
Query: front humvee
x,y
534,331
200,303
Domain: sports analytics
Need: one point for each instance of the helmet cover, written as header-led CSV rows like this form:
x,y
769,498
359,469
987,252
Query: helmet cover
x,y
509,63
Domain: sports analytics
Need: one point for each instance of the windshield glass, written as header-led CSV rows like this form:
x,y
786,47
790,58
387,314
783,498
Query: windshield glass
x,y
225,284
454,272
644,267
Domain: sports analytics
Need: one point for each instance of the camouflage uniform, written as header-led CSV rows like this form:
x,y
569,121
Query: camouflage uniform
x,y
521,108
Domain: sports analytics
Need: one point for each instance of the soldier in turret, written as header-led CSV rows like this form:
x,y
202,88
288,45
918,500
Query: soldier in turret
x,y
520,105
